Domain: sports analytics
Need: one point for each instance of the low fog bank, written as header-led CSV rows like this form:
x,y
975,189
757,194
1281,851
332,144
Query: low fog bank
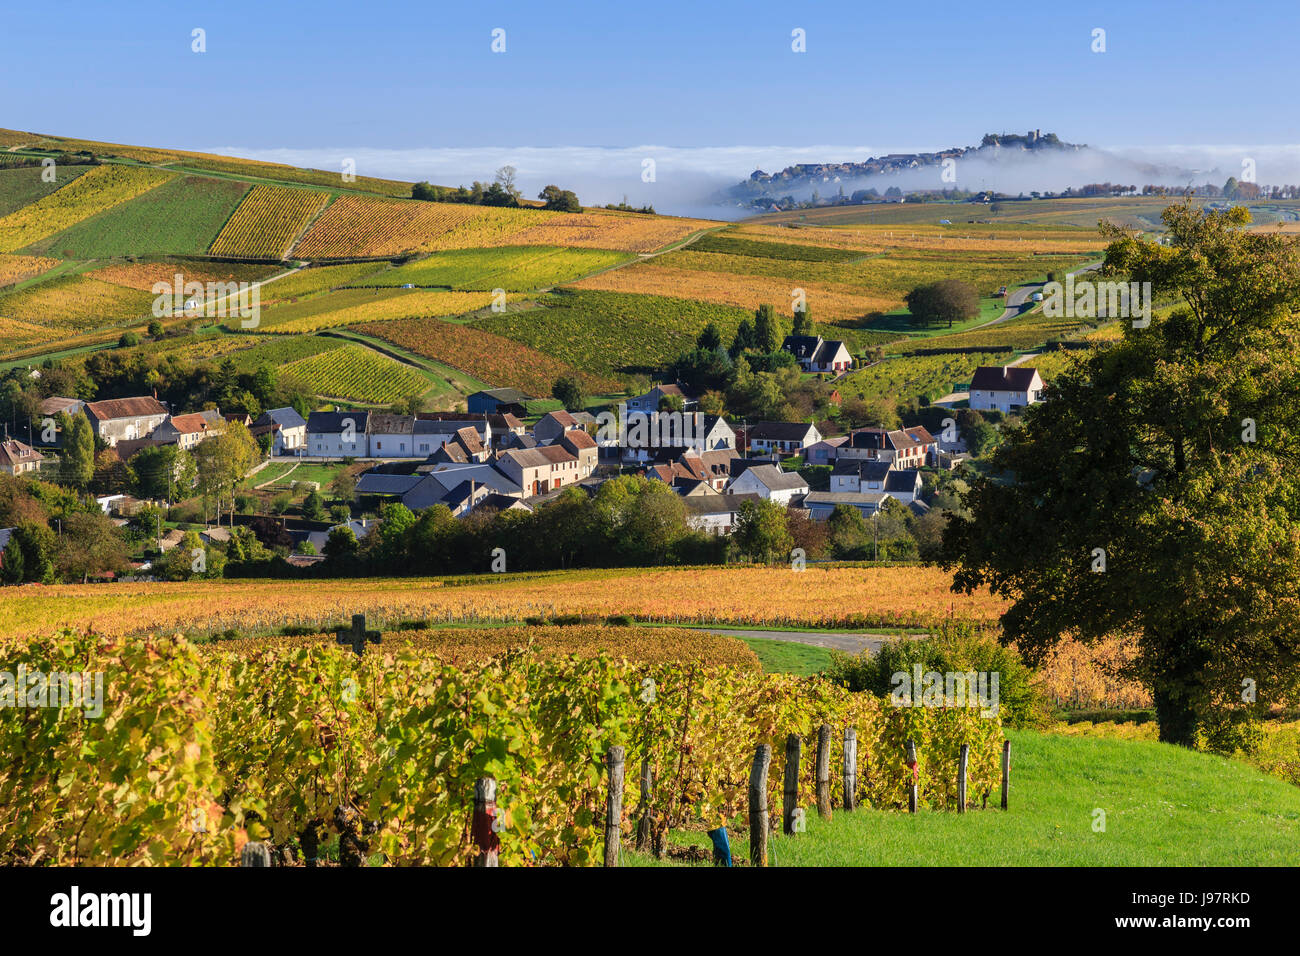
x,y
695,181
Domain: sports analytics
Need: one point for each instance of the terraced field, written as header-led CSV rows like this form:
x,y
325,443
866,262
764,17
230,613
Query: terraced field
x,y
267,222
93,192
180,217
512,268
485,355
356,373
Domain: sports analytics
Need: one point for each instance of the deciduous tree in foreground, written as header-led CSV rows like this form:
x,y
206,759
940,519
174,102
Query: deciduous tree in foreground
x,y
1156,491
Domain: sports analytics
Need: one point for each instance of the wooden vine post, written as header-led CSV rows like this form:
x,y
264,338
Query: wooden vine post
x,y
790,795
614,806
963,761
1006,772
912,788
850,768
758,828
824,771
485,812
645,821
255,854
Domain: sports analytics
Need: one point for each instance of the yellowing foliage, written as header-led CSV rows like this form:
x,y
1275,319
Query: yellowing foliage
x,y
461,645
628,232
356,226
267,222
826,301
824,597
101,188
17,268
369,305
143,275
75,303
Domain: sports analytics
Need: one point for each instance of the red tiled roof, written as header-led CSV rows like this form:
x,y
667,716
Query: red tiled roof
x,y
140,407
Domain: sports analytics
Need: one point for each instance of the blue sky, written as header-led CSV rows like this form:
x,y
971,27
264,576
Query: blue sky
x,y
422,75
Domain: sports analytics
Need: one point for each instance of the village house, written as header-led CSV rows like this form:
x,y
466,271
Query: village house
x,y
392,436
542,469
186,431
1005,388
54,405
781,438
815,354
287,428
500,424
552,425
117,419
907,447
769,482
857,475
432,433
651,400
647,432
823,452
17,458
582,447
337,434
714,514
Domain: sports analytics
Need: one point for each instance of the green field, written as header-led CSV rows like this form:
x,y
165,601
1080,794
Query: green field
x,y
1164,806
1018,334
903,378
179,217
20,187
277,351
512,268
356,373
608,331
309,282
738,246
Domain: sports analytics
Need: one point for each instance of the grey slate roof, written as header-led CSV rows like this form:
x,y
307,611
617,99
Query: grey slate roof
x,y
379,483
284,417
331,423
774,479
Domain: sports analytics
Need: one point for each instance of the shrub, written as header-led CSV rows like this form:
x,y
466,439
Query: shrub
x,y
957,648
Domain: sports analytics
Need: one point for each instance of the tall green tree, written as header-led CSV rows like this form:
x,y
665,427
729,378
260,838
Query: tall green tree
x,y
767,329
1155,493
762,532
77,466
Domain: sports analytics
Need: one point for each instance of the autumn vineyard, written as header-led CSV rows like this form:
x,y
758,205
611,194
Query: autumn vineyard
x,y
201,749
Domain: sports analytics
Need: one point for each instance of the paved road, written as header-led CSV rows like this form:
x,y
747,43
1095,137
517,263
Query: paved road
x,y
1017,298
835,640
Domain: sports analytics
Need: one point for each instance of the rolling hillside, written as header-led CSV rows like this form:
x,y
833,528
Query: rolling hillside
x,y
506,296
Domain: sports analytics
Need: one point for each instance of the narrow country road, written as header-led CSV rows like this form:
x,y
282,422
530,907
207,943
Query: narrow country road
x,y
834,640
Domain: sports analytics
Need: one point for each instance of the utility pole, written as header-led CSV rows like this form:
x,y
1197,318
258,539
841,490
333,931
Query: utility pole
x,y
875,523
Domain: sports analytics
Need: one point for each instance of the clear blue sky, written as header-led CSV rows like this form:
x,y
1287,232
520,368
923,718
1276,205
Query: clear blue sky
x,y
665,72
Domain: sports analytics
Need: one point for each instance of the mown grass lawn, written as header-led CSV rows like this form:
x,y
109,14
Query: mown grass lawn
x,y
1164,806
788,657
